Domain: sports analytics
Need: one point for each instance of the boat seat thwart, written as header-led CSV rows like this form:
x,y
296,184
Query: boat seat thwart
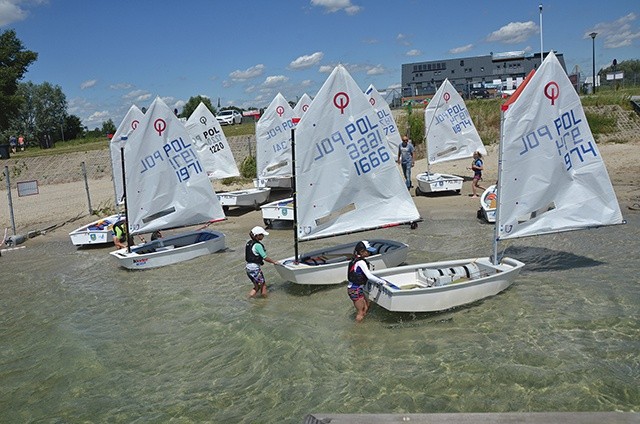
x,y
340,257
443,276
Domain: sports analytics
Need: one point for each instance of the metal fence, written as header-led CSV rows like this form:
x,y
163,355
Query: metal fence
x,y
45,192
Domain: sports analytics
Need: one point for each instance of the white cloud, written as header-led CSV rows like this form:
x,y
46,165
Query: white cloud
x,y
306,61
249,73
618,33
326,69
332,6
461,49
376,70
306,83
11,12
120,86
414,52
275,80
514,32
97,118
403,39
87,84
137,96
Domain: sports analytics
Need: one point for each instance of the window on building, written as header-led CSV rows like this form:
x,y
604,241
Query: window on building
x,y
462,63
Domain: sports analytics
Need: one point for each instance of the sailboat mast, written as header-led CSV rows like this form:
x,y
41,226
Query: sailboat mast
x,y
124,195
427,128
496,227
295,196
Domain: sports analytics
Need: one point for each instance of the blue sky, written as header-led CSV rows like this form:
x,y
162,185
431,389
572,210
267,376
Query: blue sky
x,y
108,55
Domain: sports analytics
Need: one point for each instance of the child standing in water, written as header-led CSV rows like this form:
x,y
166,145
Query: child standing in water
x,y
256,255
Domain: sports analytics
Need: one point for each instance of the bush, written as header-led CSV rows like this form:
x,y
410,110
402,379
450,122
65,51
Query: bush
x,y
248,167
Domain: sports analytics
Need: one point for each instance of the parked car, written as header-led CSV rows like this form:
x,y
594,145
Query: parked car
x,y
229,117
480,93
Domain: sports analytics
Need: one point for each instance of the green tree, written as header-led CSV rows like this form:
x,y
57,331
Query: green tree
x,y
73,127
43,111
108,127
50,108
14,61
193,103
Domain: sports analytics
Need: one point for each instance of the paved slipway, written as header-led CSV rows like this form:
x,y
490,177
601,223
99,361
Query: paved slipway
x,y
63,197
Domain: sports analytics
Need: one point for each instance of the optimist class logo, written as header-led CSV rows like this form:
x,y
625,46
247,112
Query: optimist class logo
x,y
341,101
552,91
280,111
134,124
372,101
305,107
203,120
160,125
446,96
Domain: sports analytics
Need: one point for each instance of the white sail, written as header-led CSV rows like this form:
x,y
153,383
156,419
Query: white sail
x,y
552,176
346,175
166,184
449,129
211,144
385,117
273,140
129,123
302,106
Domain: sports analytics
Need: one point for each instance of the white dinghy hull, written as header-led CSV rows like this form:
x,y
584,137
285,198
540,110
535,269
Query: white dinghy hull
x,y
170,250
329,265
438,286
279,210
434,183
253,197
488,202
97,232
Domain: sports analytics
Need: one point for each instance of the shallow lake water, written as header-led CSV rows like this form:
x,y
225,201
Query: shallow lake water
x,y
84,341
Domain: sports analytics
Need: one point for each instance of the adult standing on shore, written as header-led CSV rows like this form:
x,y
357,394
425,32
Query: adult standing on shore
x,y
406,158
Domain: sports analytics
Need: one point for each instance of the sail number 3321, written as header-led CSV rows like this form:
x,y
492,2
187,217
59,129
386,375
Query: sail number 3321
x,y
362,142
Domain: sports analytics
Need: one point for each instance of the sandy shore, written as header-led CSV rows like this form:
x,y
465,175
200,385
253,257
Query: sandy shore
x,y
65,206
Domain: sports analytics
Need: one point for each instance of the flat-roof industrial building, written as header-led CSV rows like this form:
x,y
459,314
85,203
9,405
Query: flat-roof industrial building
x,y
495,71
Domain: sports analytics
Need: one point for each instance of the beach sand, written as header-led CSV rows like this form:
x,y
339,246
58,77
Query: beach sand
x,y
61,208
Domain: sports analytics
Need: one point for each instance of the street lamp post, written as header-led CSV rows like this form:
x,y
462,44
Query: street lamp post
x,y
593,53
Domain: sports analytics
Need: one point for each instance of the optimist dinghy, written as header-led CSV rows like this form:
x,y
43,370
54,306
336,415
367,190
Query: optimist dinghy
x,y
549,181
99,231
346,181
450,135
169,188
217,159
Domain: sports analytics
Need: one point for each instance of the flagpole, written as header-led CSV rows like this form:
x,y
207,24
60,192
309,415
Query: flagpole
x,y
541,46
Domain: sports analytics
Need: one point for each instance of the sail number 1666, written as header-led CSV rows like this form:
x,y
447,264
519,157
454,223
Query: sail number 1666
x,y
368,152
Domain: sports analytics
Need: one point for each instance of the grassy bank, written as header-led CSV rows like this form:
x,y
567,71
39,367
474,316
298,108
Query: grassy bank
x,y
484,112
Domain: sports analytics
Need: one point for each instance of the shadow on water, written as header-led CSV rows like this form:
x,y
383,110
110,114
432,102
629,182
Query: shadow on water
x,y
540,259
